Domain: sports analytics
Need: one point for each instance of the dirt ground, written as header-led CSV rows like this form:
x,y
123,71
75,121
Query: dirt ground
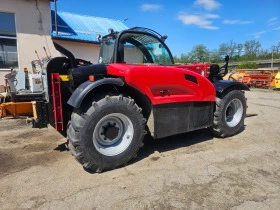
x,y
189,171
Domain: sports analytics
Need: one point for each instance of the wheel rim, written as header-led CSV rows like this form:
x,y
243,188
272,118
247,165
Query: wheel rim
x,y
234,112
113,134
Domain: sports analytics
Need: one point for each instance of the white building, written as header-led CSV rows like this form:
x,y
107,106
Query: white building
x,y
27,26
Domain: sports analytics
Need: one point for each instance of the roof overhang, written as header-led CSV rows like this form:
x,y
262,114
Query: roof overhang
x,y
74,40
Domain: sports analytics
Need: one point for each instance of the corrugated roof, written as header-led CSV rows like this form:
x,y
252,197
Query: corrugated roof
x,y
83,28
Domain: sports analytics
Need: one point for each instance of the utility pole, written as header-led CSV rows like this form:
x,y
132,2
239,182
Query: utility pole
x,y
273,47
272,60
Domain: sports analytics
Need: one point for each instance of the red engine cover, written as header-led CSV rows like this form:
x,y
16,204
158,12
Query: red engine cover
x,y
200,68
165,84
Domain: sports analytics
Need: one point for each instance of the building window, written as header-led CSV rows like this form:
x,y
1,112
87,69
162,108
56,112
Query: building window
x,y
8,41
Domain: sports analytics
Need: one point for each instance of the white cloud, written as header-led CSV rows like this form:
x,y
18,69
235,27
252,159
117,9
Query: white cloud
x,y
272,19
257,35
276,29
150,7
240,22
208,4
200,21
210,27
211,16
272,23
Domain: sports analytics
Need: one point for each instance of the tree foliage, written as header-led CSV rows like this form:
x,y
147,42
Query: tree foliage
x,y
199,53
248,65
241,52
182,59
229,48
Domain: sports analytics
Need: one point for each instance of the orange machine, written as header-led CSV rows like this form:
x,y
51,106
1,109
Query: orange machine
x,y
15,109
259,78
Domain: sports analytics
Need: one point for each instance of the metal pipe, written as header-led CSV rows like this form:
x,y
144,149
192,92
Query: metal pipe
x,y
55,17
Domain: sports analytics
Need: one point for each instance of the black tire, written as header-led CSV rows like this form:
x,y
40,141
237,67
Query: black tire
x,y
229,114
107,134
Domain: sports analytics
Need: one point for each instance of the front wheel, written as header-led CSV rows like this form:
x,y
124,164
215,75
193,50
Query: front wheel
x,y
107,134
229,114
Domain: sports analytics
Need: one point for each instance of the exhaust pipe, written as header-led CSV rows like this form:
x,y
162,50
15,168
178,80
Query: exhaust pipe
x,y
67,53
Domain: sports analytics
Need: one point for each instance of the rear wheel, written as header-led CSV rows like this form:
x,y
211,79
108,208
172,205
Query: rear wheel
x,y
229,114
107,134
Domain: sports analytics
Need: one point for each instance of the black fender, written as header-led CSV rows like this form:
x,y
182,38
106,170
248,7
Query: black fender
x,y
222,85
79,94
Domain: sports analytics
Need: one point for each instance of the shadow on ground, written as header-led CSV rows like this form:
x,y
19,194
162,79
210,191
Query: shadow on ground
x,y
167,144
152,145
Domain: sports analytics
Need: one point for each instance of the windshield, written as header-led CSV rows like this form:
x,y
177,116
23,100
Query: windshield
x,y
135,48
144,49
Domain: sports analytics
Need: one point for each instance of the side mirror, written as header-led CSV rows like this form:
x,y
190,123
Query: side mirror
x,y
226,58
226,65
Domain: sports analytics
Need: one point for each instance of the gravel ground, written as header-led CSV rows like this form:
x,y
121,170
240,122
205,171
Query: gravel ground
x,y
189,171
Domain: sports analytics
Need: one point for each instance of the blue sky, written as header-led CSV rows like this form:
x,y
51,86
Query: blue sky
x,y
191,22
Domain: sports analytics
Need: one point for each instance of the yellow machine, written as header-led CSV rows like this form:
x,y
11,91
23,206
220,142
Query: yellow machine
x,y
277,80
233,76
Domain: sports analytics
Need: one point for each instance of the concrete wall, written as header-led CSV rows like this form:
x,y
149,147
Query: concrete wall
x,y
86,51
33,26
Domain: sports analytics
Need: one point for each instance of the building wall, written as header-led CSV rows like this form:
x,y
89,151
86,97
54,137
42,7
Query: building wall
x,y
133,55
86,51
33,26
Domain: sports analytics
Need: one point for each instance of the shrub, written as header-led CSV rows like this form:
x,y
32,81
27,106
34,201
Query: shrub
x,y
248,65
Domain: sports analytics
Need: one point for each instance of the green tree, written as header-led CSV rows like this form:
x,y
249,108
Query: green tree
x,y
252,49
239,49
176,59
199,53
248,51
264,54
229,48
215,57
248,65
182,59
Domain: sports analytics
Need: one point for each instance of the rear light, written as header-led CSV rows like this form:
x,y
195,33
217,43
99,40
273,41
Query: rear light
x,y
91,78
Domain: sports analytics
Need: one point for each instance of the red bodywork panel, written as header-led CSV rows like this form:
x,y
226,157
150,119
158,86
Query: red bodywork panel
x,y
200,68
166,84
57,104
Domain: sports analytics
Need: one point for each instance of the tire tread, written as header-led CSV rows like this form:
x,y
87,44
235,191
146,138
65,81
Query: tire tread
x,y
78,120
219,128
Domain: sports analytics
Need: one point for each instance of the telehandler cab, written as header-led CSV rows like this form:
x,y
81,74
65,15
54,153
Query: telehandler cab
x,y
106,109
